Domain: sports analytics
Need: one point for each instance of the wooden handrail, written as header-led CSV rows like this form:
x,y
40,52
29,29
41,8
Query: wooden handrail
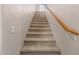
x,y
61,22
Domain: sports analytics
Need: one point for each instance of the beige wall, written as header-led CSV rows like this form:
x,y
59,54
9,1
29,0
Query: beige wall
x,y
67,42
0,28
16,20
69,13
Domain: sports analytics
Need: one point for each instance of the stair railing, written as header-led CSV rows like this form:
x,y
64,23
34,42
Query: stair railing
x,y
61,22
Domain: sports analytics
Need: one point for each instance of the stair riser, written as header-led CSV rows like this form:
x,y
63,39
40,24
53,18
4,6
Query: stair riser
x,y
40,26
40,53
39,30
41,43
40,39
40,19
36,16
47,44
39,23
50,42
39,36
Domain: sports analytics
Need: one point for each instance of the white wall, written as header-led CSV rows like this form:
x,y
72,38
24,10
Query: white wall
x,y
69,14
65,41
0,28
16,21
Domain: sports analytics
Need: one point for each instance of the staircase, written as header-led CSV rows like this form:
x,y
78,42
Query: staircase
x,y
39,39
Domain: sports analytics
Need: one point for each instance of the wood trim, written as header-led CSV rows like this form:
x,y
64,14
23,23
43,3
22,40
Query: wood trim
x,y
61,22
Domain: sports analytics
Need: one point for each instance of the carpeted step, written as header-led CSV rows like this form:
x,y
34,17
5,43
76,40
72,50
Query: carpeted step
x,y
40,48
39,30
48,43
39,23
39,39
40,34
39,26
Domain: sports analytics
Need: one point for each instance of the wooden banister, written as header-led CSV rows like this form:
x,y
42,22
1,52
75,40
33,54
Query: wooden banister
x,y
61,22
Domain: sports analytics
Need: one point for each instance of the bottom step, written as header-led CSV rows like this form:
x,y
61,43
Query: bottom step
x,y
40,53
37,49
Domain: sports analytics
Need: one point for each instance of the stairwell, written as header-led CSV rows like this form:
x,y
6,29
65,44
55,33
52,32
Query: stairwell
x,y
39,39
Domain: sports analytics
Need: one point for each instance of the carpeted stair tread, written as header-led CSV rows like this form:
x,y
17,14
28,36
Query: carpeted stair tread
x,y
39,33
39,28
39,23
39,39
40,48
